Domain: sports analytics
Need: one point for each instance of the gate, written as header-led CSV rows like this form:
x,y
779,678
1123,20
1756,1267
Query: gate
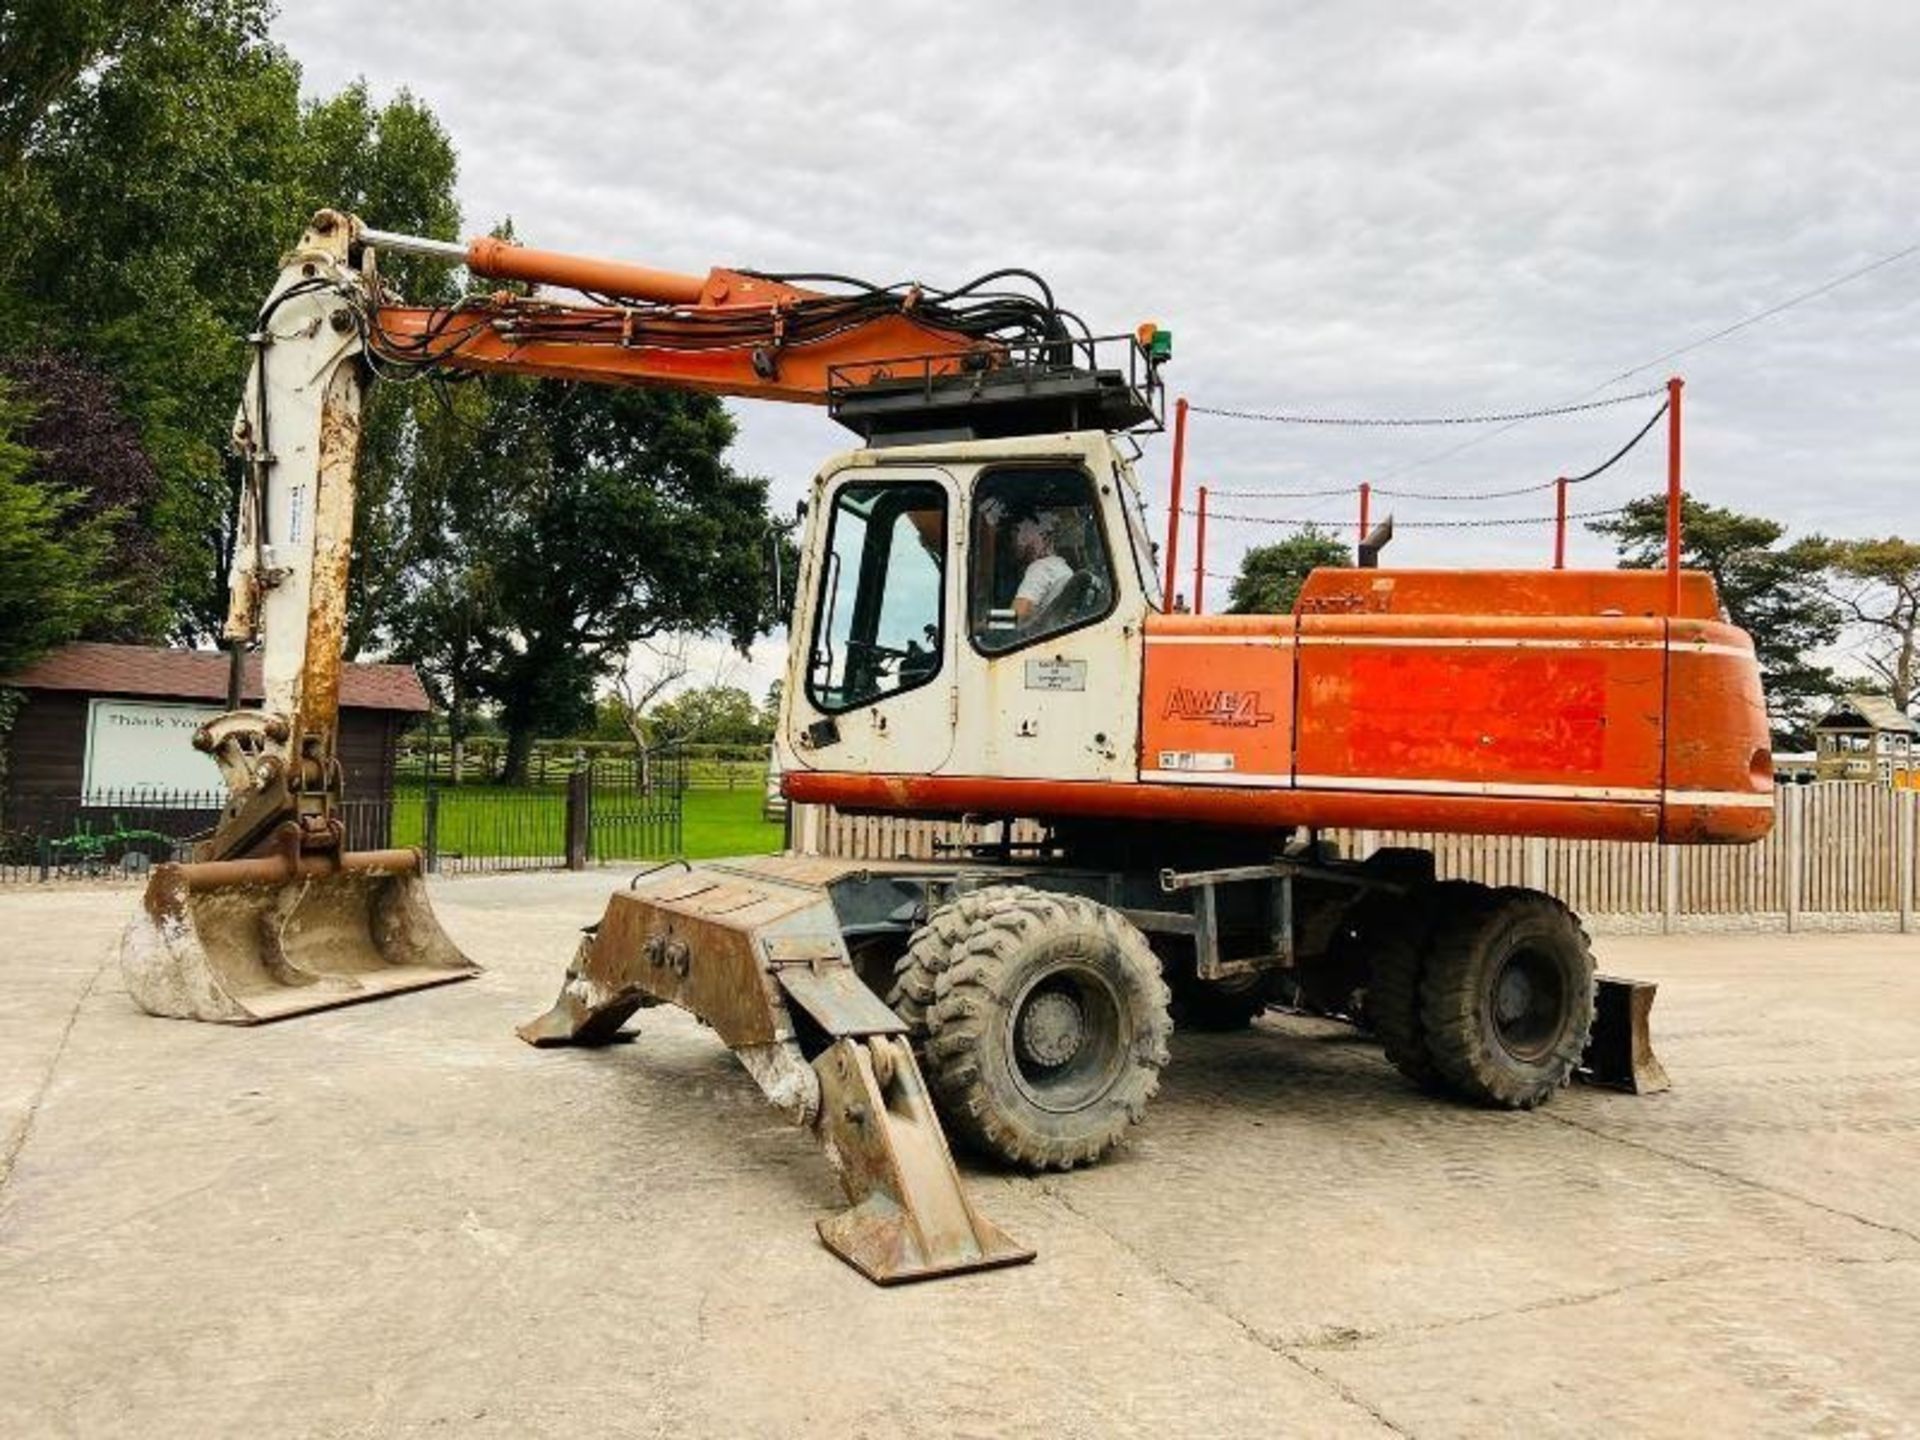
x,y
634,807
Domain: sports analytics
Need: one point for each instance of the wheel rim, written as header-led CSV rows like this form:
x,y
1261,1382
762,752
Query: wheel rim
x,y
1064,1039
1528,1002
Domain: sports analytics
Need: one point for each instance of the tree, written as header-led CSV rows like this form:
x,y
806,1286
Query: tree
x,y
45,46
712,714
1876,584
160,161
584,521
649,671
1775,592
1271,575
87,451
56,577
140,227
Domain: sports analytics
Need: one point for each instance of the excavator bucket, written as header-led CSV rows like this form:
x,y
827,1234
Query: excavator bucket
x,y
245,941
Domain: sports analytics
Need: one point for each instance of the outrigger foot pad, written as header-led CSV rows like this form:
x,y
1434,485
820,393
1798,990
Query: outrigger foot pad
x,y
1619,1052
911,1219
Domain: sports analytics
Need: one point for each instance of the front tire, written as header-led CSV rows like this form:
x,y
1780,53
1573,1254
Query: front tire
x,y
1048,1029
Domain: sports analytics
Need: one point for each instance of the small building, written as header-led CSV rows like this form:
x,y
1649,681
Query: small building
x,y
1867,737
118,720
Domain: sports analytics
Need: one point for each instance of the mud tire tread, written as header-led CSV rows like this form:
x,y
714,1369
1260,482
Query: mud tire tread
x,y
1459,1037
972,993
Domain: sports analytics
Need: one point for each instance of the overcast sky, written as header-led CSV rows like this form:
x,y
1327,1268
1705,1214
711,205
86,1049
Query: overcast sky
x,y
1362,209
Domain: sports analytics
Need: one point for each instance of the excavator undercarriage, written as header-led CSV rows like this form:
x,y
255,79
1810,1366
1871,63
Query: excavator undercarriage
x,y
777,955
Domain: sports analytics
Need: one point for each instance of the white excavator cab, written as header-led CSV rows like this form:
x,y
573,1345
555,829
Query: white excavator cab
x,y
970,608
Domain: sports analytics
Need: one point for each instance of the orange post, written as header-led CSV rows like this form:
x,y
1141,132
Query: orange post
x,y
1200,555
1560,523
1173,500
1366,499
1673,494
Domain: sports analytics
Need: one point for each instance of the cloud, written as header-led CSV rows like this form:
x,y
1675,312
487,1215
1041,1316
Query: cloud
x,y
1373,208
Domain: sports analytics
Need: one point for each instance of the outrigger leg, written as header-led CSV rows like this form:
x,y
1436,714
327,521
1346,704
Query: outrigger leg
x,y
762,962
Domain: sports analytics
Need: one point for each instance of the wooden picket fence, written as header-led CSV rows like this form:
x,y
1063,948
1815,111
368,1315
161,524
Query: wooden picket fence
x,y
1841,855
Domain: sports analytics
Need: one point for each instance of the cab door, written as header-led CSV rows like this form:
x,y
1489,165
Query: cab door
x,y
1049,649
876,663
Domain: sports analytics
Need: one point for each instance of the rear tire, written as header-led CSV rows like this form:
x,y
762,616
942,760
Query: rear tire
x,y
1506,999
1048,1030
1393,932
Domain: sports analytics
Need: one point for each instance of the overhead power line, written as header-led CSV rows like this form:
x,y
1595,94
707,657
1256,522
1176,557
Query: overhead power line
x,y
1825,287
1421,420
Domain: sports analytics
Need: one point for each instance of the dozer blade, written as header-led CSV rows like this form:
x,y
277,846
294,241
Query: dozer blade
x,y
760,959
1619,1052
244,941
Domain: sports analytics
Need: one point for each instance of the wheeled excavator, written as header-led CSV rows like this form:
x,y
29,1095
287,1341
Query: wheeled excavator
x,y
975,634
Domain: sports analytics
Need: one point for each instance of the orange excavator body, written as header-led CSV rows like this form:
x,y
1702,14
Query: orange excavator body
x,y
1559,703
1569,703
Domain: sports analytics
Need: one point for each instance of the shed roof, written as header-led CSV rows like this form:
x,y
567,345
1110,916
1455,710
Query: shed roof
x,y
1877,711
202,675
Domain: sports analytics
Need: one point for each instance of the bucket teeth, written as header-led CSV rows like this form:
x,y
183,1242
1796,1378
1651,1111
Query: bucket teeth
x,y
244,941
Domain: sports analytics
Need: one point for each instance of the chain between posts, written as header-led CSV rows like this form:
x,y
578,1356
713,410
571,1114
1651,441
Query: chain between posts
x,y
1461,495
1487,523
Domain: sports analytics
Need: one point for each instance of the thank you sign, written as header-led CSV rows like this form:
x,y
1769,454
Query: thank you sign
x,y
146,747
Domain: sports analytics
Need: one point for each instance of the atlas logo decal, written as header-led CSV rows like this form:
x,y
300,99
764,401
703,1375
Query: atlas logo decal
x,y
1217,707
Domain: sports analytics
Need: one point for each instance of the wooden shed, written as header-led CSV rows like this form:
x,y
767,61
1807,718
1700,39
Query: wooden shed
x,y
114,719
1868,737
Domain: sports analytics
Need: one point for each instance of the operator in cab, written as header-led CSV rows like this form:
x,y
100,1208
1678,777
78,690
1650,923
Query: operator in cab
x,y
1046,573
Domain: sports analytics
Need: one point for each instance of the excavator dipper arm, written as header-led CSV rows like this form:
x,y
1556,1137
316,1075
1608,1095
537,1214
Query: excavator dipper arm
x,y
274,917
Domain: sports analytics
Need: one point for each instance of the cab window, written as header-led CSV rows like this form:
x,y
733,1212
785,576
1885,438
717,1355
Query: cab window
x,y
879,617
1040,562
1146,559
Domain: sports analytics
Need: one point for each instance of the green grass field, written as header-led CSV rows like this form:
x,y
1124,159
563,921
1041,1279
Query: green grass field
x,y
727,822
530,821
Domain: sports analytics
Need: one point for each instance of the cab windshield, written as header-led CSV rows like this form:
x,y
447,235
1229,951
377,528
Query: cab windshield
x,y
880,614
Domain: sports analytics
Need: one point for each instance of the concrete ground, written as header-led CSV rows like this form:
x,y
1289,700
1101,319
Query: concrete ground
x,y
396,1219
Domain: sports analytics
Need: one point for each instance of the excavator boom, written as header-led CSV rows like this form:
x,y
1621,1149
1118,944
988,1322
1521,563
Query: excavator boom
x,y
899,361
